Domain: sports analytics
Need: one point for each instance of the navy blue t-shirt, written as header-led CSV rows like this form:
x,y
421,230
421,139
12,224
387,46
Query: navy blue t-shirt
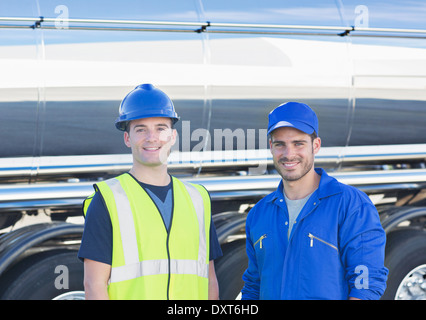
x,y
96,243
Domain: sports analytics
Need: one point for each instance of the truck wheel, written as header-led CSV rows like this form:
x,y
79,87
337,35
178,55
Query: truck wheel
x,y
230,268
55,274
406,261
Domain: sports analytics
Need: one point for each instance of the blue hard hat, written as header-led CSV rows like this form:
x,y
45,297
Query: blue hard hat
x,y
145,101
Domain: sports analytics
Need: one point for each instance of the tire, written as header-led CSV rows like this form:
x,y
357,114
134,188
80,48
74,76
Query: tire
x,y
405,253
230,268
45,276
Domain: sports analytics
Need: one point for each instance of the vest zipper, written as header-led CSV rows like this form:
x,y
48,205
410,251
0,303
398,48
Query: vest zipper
x,y
168,233
167,241
310,235
168,257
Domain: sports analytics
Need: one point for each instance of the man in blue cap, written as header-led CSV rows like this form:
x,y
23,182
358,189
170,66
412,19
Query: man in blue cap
x,y
314,237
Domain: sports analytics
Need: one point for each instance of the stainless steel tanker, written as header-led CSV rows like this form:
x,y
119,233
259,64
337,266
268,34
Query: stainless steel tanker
x,y
66,66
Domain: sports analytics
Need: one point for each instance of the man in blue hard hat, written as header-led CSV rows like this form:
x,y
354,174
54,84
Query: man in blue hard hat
x,y
314,237
149,235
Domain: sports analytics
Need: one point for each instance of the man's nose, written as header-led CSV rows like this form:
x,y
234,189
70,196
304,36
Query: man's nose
x,y
287,151
151,135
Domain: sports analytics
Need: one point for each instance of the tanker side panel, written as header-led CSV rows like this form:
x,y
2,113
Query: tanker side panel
x,y
19,99
389,92
65,86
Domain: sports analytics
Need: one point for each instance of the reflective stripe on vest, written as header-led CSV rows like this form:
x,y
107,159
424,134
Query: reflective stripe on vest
x,y
133,268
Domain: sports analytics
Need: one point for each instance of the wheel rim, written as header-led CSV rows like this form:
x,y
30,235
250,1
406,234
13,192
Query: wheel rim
x,y
72,295
413,286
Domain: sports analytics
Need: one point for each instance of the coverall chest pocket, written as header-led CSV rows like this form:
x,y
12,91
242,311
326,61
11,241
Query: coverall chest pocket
x,y
259,242
320,258
314,239
262,247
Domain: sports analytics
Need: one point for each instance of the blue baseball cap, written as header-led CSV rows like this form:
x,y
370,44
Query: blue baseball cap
x,y
293,114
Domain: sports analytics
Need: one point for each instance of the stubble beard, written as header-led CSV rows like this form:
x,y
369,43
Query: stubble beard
x,y
306,166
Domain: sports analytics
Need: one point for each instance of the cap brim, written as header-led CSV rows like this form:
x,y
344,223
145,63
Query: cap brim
x,y
295,124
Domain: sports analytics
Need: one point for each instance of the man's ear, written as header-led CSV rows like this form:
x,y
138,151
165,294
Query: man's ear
x,y
127,139
270,143
174,134
316,145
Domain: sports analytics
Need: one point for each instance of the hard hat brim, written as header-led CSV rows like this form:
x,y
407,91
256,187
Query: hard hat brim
x,y
121,124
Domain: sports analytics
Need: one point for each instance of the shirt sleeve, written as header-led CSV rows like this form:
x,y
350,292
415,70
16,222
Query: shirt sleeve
x,y
215,249
96,243
363,242
251,277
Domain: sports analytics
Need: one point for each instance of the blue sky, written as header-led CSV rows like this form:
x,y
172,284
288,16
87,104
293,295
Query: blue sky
x,y
387,14
407,14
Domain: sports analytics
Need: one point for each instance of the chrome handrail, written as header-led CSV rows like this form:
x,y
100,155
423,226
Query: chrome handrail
x,y
45,195
208,26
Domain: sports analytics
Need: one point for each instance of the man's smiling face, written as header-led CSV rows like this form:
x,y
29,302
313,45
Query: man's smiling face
x,y
150,140
293,152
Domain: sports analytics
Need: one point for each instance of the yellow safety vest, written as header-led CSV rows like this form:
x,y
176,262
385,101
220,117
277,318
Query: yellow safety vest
x,y
147,261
